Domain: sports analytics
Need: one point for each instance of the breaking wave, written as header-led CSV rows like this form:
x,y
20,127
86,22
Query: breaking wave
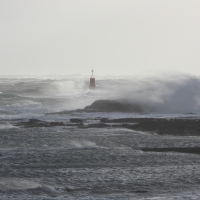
x,y
6,125
82,144
178,94
164,94
17,184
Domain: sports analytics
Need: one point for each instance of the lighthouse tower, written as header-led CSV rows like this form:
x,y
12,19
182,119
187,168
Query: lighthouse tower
x,y
92,82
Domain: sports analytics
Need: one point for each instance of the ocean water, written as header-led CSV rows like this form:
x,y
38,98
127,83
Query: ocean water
x,y
107,163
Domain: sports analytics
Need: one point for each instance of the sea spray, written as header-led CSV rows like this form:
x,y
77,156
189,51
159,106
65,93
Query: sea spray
x,y
164,94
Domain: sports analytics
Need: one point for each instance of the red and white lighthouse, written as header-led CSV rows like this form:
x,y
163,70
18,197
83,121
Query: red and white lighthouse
x,y
92,81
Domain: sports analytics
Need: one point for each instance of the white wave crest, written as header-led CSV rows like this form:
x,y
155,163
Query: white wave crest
x,y
83,144
164,94
6,125
17,183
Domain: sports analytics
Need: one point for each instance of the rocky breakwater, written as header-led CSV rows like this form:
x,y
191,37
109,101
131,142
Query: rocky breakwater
x,y
109,106
73,122
173,126
113,106
161,126
37,123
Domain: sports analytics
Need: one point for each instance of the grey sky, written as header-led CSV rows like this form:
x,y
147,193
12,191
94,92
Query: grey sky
x,y
110,36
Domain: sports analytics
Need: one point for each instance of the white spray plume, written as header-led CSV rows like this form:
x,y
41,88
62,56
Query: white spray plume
x,y
178,93
164,93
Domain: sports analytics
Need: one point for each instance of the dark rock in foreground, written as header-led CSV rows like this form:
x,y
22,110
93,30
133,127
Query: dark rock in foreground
x,y
167,126
100,125
75,124
174,126
195,150
120,120
38,123
76,120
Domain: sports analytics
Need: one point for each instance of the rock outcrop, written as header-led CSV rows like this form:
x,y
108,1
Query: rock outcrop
x,y
38,123
76,120
113,106
108,106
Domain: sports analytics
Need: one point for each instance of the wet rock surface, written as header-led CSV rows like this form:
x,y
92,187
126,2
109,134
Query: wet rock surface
x,y
76,120
120,120
168,126
195,150
75,124
38,123
99,125
176,126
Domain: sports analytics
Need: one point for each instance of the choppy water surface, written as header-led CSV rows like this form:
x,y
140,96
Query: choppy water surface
x,y
70,163
51,163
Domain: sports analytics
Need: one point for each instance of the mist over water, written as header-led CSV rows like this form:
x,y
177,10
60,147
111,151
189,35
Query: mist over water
x,y
176,94
64,162
39,95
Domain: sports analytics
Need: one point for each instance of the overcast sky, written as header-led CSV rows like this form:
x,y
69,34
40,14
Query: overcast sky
x,y
110,36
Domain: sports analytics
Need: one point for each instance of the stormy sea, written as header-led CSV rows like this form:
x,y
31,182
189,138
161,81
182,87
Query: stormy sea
x,y
129,138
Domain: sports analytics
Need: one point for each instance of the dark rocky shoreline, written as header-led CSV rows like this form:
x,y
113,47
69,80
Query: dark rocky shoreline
x,y
109,106
193,150
174,126
162,126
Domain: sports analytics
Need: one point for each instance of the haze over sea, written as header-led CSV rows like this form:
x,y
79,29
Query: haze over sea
x,y
67,162
164,94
